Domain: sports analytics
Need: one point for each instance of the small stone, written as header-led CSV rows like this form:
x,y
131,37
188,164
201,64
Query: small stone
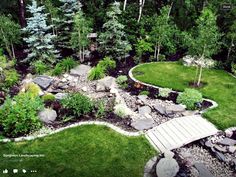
x,y
221,149
227,141
220,156
169,154
142,124
167,167
47,115
208,144
84,89
143,98
232,149
159,108
144,110
64,80
60,96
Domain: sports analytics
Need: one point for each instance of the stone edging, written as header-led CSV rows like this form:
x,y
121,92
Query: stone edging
x,y
214,104
113,127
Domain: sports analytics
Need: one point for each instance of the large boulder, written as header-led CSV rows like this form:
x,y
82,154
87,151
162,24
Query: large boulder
x,y
43,81
167,167
105,84
47,115
80,70
143,124
228,142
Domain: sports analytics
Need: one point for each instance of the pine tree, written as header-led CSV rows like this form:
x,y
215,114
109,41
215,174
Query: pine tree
x,y
113,40
40,40
68,10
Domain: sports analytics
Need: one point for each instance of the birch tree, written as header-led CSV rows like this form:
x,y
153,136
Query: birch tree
x,y
125,3
141,5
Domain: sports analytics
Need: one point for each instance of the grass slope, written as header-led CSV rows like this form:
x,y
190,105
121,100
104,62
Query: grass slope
x,y
86,151
221,87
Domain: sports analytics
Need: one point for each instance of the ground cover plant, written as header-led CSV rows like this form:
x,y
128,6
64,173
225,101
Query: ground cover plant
x,y
83,151
220,87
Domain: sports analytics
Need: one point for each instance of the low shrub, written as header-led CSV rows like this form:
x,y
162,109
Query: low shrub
x,y
100,109
33,89
11,78
48,97
189,98
164,92
145,92
122,81
20,115
120,110
96,73
67,64
58,70
78,104
40,67
107,63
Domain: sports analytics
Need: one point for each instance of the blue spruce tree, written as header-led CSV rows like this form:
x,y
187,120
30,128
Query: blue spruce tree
x,y
40,38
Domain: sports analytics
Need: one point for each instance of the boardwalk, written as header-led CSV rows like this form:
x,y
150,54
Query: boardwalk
x,y
179,132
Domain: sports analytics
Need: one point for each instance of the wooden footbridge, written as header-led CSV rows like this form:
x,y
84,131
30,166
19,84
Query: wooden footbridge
x,y
179,132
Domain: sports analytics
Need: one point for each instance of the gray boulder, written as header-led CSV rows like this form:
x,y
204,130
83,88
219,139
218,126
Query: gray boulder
x,y
228,142
105,84
60,96
175,108
203,171
43,81
167,167
144,110
160,109
47,115
142,124
80,70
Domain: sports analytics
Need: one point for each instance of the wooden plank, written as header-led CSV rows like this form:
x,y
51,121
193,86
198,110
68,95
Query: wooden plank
x,y
173,138
162,139
196,128
167,137
156,141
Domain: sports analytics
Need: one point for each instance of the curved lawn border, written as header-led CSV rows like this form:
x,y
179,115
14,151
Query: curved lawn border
x,y
113,127
214,104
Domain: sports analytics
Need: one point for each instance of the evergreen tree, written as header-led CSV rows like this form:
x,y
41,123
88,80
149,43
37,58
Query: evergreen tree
x,y
79,37
68,10
40,40
113,40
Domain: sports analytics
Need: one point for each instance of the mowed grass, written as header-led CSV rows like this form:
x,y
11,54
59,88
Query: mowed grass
x,y
86,151
220,87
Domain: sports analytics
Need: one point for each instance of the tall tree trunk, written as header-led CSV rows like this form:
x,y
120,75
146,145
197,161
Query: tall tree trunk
x,y
141,5
158,51
230,49
196,76
21,5
13,51
125,3
199,77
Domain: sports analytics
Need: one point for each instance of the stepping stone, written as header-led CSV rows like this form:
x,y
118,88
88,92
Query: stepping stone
x,y
142,124
47,115
175,108
227,141
159,108
80,70
143,98
43,81
167,167
203,171
144,110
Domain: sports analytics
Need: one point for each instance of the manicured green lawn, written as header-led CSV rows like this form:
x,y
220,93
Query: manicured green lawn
x,y
221,87
87,151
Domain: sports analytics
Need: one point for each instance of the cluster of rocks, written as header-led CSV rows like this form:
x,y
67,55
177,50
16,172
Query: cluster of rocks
x,y
223,147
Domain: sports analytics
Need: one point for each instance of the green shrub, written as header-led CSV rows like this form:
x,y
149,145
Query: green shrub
x,y
33,89
40,67
120,110
122,81
164,92
96,73
100,109
189,98
48,97
58,70
11,77
67,64
107,63
162,57
145,92
20,115
78,104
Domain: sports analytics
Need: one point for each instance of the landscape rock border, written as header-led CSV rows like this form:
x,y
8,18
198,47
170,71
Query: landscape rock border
x,y
113,127
214,104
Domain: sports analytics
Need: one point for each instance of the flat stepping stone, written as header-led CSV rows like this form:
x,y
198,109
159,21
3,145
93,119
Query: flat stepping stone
x,y
142,124
144,110
160,109
175,108
80,70
43,81
203,171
